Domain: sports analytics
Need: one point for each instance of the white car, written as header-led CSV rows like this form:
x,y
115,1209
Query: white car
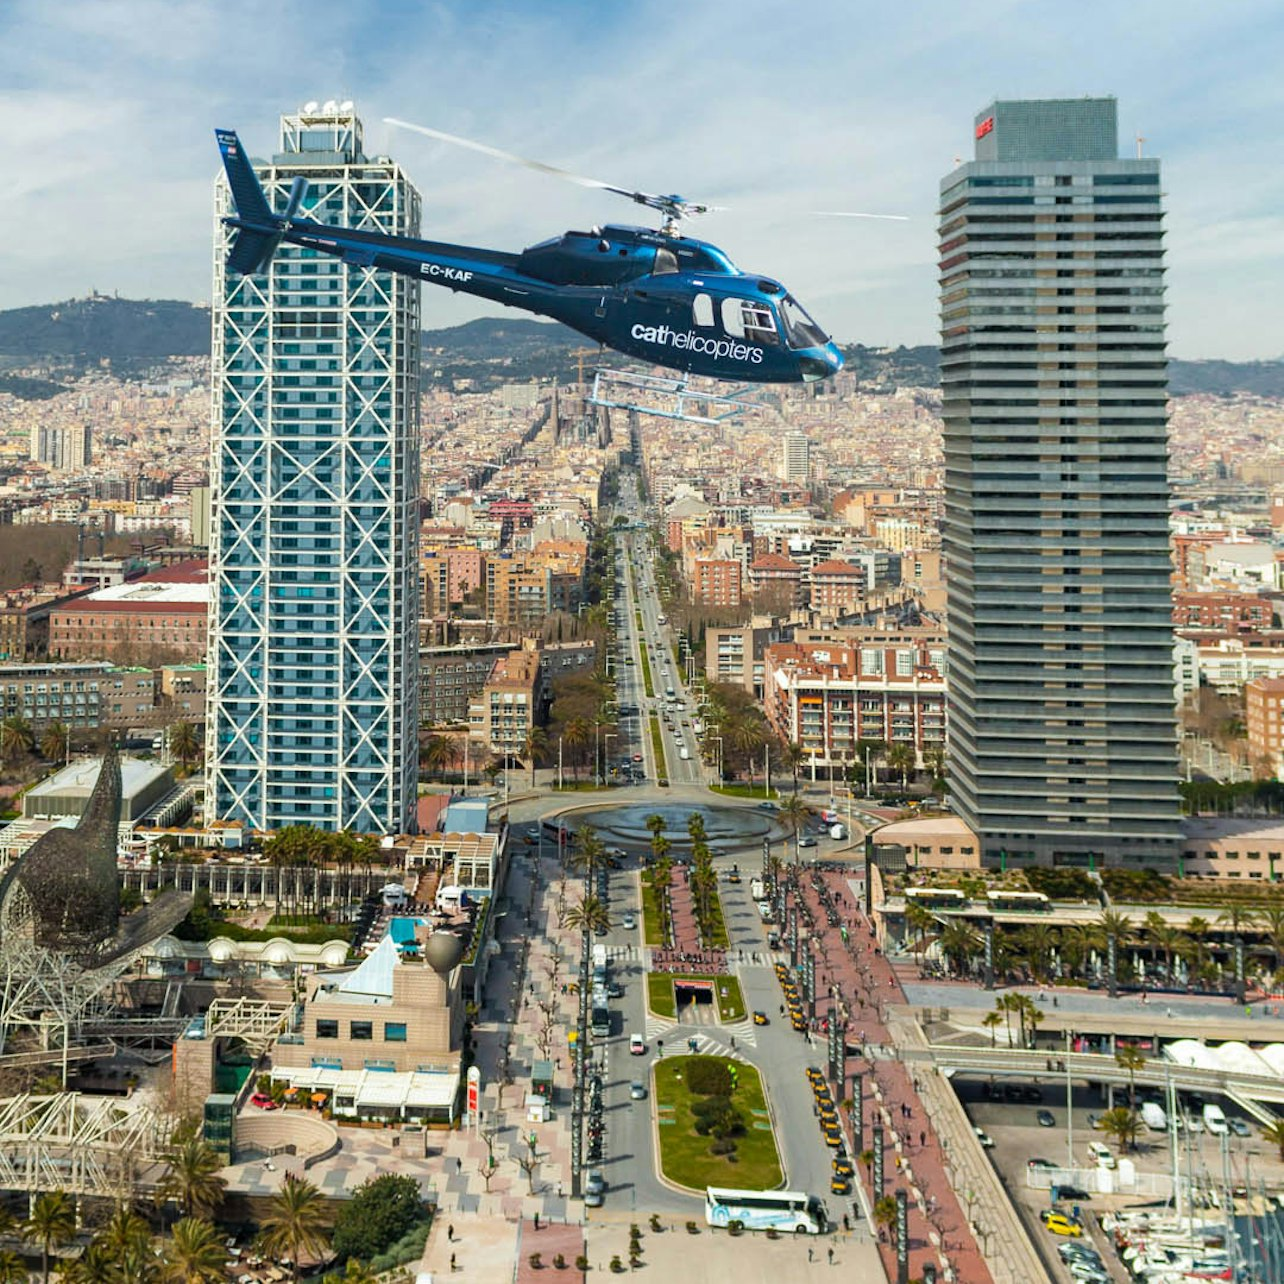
x,y
987,1142
629,921
637,1045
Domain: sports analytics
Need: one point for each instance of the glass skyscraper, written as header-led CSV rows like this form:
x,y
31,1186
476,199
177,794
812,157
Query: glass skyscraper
x,y
1063,742
313,677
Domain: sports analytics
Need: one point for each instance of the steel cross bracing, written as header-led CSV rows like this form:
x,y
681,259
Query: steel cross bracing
x,y
316,471
83,1146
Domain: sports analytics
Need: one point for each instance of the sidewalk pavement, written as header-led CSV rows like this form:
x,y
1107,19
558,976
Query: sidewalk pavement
x,y
865,983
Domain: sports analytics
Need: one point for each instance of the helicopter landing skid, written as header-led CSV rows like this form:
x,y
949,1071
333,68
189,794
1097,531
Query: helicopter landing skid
x,y
678,393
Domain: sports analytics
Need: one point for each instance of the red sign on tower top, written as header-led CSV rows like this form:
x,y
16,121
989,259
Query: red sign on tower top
x,y
985,127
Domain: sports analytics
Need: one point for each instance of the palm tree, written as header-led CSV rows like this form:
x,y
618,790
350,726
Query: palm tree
x,y
1271,919
1077,943
1123,1125
296,1223
1115,927
13,1270
992,1021
920,921
794,813
15,737
52,1224
588,915
934,760
96,1264
194,1253
746,737
793,755
534,747
1130,1058
1037,940
959,944
53,742
1236,917
192,1180
1168,940
436,754
184,743
901,757
1198,928
125,1230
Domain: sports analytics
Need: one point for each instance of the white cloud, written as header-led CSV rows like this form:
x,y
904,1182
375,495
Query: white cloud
x,y
768,108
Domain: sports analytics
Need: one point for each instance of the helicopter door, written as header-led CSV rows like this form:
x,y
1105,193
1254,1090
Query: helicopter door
x,y
702,310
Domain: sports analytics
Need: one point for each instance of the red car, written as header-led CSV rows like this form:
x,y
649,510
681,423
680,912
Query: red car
x,y
263,1101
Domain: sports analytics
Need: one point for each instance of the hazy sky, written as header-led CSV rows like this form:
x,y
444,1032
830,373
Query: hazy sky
x,y
773,108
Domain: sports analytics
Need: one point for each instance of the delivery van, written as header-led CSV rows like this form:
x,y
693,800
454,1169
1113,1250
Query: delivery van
x,y
1152,1115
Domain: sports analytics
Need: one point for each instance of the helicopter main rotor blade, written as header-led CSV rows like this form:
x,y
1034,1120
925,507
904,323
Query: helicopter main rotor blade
x,y
899,218
648,199
511,157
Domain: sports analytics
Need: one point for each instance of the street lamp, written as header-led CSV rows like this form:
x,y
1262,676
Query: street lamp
x,y
610,735
719,763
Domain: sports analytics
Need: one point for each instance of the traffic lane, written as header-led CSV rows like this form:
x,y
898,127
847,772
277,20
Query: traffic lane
x,y
783,1054
745,928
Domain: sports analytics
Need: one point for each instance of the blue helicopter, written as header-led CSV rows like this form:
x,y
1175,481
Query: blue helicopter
x,y
655,294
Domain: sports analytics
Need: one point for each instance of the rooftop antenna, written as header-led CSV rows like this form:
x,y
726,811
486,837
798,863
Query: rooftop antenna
x,y
1140,140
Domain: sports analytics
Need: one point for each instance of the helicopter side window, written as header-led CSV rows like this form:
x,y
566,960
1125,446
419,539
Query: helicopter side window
x,y
665,261
747,319
702,309
760,324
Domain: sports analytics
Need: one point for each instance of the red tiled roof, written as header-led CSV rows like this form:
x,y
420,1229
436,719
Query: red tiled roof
x,y
835,567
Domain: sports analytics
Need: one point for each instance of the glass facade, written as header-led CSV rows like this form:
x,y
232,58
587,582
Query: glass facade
x,y
1063,741
313,675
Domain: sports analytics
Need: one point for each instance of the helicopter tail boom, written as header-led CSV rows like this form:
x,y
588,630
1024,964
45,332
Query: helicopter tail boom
x,y
259,230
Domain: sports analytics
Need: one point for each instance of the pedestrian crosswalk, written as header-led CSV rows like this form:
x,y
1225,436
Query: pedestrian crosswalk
x,y
691,1039
624,953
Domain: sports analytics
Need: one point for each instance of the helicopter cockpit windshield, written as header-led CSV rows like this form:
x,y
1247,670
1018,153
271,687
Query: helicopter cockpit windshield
x,y
800,330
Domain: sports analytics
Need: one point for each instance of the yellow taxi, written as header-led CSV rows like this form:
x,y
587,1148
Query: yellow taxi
x,y
815,1074
835,1138
840,1185
760,1018
1060,1224
828,1117
843,1168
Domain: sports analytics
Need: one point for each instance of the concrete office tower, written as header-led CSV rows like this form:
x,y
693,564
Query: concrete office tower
x,y
313,672
65,448
1062,723
795,458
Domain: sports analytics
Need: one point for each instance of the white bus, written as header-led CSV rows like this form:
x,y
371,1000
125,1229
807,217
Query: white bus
x,y
781,1210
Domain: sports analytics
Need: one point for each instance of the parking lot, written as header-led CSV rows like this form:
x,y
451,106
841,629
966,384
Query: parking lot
x,y
1009,1117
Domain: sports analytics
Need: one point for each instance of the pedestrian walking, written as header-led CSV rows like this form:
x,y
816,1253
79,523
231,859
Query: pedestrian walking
x,y
922,1139
452,1262
831,1257
450,1233
811,1257
537,1221
459,1165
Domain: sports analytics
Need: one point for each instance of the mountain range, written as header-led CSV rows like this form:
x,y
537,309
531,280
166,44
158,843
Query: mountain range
x,y
50,343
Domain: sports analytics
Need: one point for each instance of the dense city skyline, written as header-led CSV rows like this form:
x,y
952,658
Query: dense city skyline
x,y
115,106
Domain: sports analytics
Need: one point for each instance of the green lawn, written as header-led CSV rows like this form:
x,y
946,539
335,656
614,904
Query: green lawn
x,y
659,994
657,745
719,935
660,997
684,1154
740,789
650,913
646,663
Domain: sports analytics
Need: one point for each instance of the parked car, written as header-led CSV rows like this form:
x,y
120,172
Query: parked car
x,y
987,1142
1046,1119
594,1189
263,1101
